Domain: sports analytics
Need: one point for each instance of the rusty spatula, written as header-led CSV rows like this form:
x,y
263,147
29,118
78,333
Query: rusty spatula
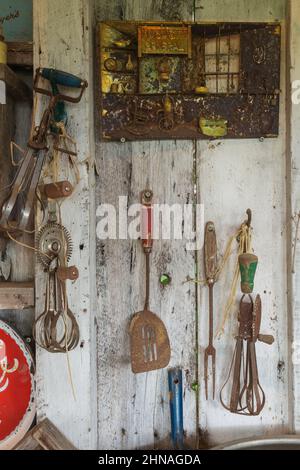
x,y
149,341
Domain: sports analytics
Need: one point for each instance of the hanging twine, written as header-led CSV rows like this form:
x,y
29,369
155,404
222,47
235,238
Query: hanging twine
x,y
244,238
63,141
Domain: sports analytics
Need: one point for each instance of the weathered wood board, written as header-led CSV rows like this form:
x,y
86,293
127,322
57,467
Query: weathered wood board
x,y
44,436
7,123
15,86
63,40
20,53
293,167
141,417
240,10
232,176
22,258
16,295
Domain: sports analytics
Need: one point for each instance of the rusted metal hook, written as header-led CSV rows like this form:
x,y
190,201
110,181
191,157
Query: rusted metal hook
x,y
247,222
249,214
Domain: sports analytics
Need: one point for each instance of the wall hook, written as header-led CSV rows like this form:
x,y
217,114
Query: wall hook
x,y
249,215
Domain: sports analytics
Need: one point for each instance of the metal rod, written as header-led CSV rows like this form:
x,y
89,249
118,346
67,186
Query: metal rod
x,y
147,255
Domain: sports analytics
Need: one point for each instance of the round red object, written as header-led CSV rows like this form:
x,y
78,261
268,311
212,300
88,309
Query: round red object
x,y
17,405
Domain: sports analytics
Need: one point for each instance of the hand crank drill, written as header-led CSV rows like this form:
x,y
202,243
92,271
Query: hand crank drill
x,y
27,177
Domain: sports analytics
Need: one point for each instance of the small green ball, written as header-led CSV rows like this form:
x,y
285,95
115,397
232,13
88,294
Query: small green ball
x,y
195,386
165,279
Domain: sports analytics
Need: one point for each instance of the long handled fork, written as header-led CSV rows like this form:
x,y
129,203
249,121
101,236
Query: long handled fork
x,y
210,257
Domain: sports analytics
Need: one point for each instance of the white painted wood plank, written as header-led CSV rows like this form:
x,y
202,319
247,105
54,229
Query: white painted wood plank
x,y
134,409
167,10
142,415
294,180
63,40
232,176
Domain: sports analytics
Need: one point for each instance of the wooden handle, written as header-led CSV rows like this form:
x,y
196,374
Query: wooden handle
x,y
210,251
58,190
268,339
147,220
67,273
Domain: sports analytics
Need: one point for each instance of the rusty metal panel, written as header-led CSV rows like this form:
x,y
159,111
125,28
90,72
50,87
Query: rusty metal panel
x,y
260,60
144,117
227,88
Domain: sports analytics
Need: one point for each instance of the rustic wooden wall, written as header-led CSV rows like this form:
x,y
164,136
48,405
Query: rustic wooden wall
x,y
141,417
230,176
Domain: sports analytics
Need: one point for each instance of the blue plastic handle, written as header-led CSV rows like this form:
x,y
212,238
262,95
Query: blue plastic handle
x,y
176,407
61,78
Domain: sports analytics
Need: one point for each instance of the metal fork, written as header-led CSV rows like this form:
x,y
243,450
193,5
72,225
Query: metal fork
x,y
210,258
210,351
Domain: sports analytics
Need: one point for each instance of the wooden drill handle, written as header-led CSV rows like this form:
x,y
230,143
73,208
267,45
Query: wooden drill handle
x,y
58,190
67,273
210,251
268,339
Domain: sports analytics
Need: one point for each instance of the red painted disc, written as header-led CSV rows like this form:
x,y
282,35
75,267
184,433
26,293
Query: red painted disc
x,y
17,406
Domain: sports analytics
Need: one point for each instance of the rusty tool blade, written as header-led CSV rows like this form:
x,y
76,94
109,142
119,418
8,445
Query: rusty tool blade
x,y
256,317
210,261
149,340
150,346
